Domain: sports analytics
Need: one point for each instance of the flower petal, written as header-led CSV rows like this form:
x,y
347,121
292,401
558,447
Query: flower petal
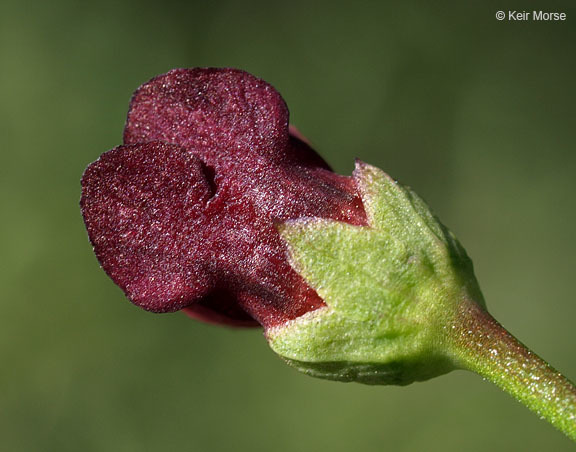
x,y
219,113
143,206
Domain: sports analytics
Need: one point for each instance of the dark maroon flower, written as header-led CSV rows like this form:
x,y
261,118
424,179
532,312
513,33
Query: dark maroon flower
x,y
182,216
187,215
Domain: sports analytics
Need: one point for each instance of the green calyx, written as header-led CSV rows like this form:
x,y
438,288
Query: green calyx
x,y
390,288
403,305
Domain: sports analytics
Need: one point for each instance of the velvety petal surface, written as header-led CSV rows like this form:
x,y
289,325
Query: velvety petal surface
x,y
144,210
216,145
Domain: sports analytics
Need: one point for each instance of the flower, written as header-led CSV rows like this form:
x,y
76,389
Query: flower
x,y
183,215
213,205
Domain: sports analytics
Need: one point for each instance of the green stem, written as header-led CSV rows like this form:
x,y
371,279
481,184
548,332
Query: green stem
x,y
480,344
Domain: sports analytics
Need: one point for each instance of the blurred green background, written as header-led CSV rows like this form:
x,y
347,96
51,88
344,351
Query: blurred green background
x,y
476,114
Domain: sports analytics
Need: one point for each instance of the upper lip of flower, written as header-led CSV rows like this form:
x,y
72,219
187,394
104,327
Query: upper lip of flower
x,y
183,214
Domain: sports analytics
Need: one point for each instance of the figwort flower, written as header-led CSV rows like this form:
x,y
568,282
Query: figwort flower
x,y
213,206
183,214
